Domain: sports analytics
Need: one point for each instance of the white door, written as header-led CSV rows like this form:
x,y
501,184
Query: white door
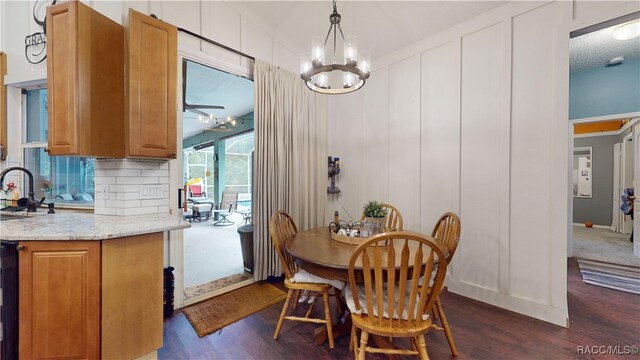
x,y
615,223
627,178
636,178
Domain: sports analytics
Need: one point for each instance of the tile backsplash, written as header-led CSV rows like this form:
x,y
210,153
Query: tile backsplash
x,y
131,187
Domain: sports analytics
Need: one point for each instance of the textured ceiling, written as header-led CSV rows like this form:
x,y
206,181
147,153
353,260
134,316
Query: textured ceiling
x,y
595,49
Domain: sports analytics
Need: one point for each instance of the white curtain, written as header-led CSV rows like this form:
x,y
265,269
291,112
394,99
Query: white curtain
x,y
290,169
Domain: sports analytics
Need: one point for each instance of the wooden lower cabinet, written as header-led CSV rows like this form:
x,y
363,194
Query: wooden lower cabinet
x,y
132,280
90,299
59,300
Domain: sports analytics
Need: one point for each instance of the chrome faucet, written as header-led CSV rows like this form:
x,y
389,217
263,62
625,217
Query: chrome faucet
x,y
32,204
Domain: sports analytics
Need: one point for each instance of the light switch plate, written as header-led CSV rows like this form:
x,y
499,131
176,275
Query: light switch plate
x,y
151,191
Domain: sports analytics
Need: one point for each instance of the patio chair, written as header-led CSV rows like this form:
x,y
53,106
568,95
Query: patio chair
x,y
202,209
227,206
197,194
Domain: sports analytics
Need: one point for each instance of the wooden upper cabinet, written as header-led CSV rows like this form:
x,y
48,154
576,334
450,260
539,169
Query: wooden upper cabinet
x,y
59,296
151,70
85,67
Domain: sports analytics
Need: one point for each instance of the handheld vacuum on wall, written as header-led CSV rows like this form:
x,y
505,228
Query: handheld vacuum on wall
x,y
334,169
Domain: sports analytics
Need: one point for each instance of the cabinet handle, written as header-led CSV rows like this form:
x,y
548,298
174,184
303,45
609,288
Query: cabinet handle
x,y
20,247
47,150
173,154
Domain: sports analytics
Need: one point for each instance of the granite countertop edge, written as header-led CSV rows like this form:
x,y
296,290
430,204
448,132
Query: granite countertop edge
x,y
83,226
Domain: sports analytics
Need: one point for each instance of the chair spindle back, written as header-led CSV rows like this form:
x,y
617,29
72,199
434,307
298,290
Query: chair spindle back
x,y
281,229
398,260
447,231
393,220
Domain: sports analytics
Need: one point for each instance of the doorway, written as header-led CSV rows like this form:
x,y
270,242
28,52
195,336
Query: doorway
x,y
217,143
604,111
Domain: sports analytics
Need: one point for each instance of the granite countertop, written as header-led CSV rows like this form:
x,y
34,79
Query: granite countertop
x,y
85,226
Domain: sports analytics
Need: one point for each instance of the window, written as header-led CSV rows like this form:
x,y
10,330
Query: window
x,y
238,163
200,165
61,179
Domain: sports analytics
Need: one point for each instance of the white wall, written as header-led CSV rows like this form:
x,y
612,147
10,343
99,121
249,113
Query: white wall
x,y
475,120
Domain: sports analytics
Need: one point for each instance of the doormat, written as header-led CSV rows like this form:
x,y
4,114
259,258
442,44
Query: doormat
x,y
609,275
213,314
211,286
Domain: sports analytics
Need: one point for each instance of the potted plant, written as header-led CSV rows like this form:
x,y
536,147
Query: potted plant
x,y
375,213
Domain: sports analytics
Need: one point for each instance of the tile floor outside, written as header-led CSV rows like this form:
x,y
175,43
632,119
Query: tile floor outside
x,y
211,252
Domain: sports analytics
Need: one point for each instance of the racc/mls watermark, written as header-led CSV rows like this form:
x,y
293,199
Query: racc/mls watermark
x,y
607,350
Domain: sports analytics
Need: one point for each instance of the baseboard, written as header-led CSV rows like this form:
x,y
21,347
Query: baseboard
x,y
596,226
602,227
526,307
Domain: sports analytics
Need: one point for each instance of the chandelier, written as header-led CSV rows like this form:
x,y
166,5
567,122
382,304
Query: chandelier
x,y
335,78
214,123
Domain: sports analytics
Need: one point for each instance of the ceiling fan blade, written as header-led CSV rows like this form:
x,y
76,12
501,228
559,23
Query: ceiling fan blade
x,y
199,112
195,106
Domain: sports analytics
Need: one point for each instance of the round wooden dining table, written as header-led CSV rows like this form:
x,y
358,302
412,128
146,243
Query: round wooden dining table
x,y
316,252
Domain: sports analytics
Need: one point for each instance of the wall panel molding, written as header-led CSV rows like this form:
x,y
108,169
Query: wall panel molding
x,y
479,76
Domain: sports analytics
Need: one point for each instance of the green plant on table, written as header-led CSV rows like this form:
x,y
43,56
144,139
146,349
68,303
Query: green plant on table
x,y
374,209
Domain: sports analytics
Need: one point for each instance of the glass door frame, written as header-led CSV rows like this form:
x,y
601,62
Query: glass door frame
x,y
175,256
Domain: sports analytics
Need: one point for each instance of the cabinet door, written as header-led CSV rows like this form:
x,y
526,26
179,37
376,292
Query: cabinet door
x,y
63,79
59,295
151,72
85,67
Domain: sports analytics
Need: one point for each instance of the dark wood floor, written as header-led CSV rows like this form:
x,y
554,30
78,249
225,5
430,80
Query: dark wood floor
x,y
598,317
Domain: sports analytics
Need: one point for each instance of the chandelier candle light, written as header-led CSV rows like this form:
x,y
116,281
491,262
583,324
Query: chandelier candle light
x,y
335,78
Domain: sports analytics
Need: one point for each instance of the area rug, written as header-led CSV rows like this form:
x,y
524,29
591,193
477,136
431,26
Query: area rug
x,y
211,286
220,311
609,275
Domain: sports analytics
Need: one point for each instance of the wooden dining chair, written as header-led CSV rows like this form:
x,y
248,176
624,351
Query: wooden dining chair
x,y
393,220
447,232
282,228
389,301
